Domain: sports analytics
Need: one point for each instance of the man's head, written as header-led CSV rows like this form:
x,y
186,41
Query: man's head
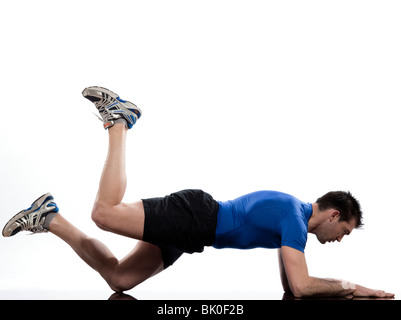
x,y
342,214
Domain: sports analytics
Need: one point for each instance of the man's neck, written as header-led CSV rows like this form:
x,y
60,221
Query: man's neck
x,y
314,219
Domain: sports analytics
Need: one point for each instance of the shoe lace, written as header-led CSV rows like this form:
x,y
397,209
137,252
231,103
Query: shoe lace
x,y
26,222
37,229
98,117
105,115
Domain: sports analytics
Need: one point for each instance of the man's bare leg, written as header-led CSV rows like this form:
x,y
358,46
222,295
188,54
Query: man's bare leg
x,y
109,213
113,181
140,264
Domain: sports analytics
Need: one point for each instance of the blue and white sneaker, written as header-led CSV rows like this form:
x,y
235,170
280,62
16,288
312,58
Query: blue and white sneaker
x,y
35,219
111,107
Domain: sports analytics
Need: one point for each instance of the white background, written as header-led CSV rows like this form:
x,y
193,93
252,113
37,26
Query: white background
x,y
237,96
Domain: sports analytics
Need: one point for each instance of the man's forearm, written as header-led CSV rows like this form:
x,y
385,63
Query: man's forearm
x,y
326,287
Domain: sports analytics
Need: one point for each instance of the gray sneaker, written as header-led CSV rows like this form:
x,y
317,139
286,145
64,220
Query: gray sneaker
x,y
35,219
111,107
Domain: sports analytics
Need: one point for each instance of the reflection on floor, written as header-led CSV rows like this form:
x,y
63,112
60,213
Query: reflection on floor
x,y
287,296
121,296
162,295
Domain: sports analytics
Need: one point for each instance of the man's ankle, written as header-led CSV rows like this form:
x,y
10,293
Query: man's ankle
x,y
121,121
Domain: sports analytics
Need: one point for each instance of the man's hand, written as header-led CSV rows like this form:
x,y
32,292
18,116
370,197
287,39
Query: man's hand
x,y
294,275
366,292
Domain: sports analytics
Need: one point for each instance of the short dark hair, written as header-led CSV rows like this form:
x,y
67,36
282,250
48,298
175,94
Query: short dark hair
x,y
345,203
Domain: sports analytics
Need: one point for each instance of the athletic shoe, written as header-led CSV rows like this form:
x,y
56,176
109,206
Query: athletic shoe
x,y
34,218
111,107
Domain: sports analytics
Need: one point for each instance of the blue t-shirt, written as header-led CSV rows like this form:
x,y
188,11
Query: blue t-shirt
x,y
263,219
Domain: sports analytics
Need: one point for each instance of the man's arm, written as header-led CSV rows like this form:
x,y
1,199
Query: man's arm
x,y
302,285
283,276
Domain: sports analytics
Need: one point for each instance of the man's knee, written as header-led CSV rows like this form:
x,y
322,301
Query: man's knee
x,y
100,215
119,284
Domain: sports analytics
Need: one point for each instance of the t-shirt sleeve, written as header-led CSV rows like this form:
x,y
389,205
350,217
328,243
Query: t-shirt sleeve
x,y
294,233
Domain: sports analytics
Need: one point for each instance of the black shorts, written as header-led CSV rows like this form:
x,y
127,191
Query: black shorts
x,y
184,221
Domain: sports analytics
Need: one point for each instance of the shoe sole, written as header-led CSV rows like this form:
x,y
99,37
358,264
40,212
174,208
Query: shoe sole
x,y
120,102
100,89
114,96
35,206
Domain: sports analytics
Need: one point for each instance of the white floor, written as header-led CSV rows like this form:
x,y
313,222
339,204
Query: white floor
x,y
142,295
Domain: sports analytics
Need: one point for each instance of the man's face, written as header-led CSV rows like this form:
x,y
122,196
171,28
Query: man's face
x,y
333,229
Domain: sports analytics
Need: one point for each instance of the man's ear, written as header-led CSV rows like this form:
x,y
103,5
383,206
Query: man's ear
x,y
334,215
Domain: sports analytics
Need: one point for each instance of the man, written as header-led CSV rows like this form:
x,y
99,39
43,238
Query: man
x,y
189,220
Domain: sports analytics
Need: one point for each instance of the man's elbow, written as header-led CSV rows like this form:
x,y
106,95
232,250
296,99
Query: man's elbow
x,y
297,293
300,290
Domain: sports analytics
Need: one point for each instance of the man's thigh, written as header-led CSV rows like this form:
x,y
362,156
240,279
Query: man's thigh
x,y
143,262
